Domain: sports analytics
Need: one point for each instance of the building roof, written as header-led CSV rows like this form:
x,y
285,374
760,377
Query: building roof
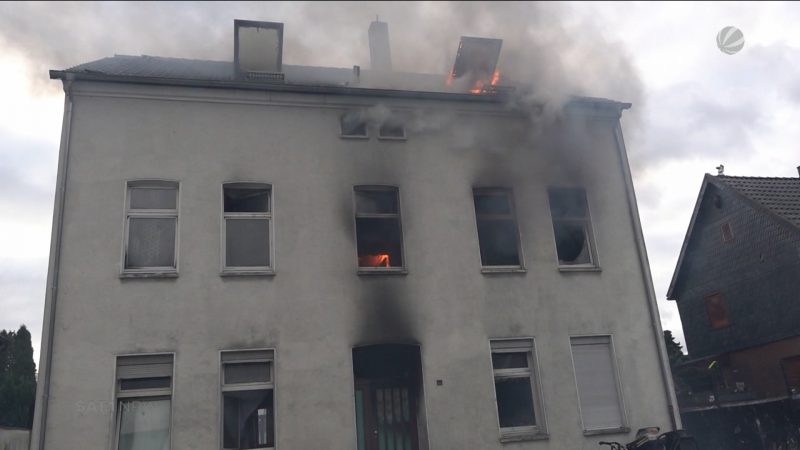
x,y
151,68
204,73
779,198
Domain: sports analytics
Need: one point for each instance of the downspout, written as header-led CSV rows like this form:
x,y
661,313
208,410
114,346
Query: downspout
x,y
48,326
666,373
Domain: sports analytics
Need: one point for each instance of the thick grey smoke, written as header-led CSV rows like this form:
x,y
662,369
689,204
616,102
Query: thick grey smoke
x,y
543,47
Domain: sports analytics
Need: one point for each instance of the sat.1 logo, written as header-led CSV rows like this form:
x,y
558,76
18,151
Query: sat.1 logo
x,y
730,40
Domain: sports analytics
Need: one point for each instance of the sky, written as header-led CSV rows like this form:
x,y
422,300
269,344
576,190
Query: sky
x,y
694,107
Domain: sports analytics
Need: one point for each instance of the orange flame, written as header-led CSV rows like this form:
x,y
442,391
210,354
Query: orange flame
x,y
479,86
379,260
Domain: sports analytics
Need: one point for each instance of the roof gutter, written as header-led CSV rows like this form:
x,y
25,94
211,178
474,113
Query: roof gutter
x,y
658,333
48,328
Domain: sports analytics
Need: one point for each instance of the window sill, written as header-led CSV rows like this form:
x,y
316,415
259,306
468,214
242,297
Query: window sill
x,y
524,436
620,430
389,138
247,273
579,268
397,271
152,274
356,137
503,269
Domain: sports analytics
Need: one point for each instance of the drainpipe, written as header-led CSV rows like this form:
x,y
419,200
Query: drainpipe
x,y
658,334
48,326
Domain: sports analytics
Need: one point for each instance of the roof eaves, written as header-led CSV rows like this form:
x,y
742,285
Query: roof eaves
x,y
281,87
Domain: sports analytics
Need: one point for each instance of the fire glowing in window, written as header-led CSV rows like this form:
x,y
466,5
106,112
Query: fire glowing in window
x,y
379,260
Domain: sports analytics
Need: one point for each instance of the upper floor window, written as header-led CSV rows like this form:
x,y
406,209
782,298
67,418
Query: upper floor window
x,y
498,236
727,232
392,129
353,125
518,397
717,311
379,236
248,416
247,226
151,225
144,401
572,227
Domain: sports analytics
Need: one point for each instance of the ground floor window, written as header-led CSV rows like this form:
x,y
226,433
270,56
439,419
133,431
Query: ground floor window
x,y
248,415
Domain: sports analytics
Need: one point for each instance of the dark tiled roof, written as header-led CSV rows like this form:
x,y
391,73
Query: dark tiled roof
x,y
781,196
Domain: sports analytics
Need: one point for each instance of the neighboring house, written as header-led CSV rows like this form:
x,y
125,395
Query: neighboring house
x,y
258,255
737,287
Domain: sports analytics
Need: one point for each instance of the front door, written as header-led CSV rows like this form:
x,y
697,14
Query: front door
x,y
386,400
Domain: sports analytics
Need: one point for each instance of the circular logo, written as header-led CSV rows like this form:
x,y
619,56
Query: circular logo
x,y
730,40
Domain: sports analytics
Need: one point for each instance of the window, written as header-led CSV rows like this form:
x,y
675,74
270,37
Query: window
x,y
498,236
392,129
571,226
727,232
791,374
247,225
151,226
144,392
717,311
379,238
353,125
516,389
248,418
596,378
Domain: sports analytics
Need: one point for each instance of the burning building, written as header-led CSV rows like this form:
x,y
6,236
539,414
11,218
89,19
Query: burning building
x,y
252,254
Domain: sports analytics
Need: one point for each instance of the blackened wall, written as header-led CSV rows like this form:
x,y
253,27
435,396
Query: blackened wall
x,y
757,273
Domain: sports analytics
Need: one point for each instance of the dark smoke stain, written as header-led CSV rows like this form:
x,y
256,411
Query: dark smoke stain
x,y
384,312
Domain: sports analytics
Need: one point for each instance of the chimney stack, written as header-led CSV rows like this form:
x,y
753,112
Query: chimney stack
x,y
380,54
798,171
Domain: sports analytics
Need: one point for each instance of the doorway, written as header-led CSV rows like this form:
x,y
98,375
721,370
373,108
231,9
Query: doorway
x,y
387,396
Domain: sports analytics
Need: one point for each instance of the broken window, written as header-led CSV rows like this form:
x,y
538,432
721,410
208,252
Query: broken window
x,y
248,416
596,378
247,223
353,124
144,391
379,238
516,391
151,226
717,311
498,236
571,226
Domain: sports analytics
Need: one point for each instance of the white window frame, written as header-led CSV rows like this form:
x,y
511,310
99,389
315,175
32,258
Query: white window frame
x,y
401,124
403,269
588,229
144,394
156,271
512,215
251,355
525,345
601,339
226,270
342,134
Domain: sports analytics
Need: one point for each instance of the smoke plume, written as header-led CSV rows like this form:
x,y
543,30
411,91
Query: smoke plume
x,y
544,48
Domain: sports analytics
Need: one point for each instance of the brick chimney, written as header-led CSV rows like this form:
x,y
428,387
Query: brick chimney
x,y
380,53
